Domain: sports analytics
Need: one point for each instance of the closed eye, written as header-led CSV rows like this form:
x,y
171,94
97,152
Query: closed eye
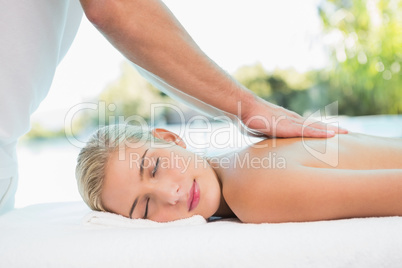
x,y
156,167
146,209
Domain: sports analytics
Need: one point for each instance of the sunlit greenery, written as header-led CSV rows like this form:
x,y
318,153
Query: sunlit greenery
x,y
128,99
364,44
130,95
364,40
38,132
286,88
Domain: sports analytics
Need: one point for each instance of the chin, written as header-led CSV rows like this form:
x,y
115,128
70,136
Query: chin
x,y
210,193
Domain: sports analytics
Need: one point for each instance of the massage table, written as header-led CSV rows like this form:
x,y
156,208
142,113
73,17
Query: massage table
x,y
70,235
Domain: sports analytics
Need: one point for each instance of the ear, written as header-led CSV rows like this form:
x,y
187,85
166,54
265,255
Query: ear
x,y
168,136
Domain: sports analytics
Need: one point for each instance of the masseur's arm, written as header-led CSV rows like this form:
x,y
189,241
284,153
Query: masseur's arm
x,y
149,35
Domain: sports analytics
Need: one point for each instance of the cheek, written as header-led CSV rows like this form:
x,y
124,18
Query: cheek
x,y
179,164
175,169
168,214
210,193
213,193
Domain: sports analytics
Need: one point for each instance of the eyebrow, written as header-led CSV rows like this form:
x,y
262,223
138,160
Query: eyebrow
x,y
141,176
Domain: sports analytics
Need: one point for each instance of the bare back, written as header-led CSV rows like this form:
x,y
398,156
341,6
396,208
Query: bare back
x,y
352,151
311,179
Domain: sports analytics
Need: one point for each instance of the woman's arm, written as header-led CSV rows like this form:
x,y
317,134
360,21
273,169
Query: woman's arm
x,y
148,34
311,194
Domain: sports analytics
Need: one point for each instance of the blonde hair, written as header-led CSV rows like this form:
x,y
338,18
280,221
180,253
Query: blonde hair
x,y
93,158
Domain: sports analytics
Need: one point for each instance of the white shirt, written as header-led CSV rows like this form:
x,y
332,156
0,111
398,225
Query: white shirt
x,y
35,35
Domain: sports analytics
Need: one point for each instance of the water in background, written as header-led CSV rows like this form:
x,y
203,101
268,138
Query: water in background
x,y
46,172
46,168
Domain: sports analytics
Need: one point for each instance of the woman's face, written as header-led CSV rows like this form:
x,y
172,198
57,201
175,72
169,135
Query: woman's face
x,y
160,183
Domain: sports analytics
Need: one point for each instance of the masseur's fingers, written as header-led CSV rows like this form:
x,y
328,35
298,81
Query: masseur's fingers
x,y
274,121
300,127
328,127
291,127
314,124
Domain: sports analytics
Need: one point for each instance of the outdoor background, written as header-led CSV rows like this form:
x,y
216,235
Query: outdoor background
x,y
301,55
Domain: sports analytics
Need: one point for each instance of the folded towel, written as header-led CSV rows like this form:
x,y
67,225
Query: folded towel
x,y
113,220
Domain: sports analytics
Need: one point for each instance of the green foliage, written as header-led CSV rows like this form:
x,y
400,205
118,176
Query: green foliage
x,y
364,41
39,132
130,95
365,44
255,79
286,88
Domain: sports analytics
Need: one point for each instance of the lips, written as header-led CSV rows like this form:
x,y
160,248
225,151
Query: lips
x,y
194,197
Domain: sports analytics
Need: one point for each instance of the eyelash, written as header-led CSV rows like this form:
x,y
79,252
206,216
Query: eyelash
x,y
155,168
146,209
153,175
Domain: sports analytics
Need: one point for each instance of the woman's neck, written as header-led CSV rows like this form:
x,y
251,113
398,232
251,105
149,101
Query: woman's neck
x,y
216,164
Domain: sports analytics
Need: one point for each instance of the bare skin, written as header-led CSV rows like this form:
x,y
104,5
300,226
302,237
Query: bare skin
x,y
367,180
275,180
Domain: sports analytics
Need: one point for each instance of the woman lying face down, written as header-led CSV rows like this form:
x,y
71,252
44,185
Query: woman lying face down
x,y
151,175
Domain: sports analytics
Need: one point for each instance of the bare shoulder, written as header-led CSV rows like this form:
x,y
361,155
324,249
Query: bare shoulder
x,y
253,194
248,181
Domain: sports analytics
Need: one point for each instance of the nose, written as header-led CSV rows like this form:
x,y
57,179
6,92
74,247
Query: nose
x,y
167,192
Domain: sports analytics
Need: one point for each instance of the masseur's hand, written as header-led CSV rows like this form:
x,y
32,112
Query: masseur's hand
x,y
275,121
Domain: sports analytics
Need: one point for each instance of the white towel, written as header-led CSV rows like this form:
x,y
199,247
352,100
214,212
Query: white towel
x,y
113,220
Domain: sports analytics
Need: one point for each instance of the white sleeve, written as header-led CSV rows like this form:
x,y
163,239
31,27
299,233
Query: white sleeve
x,y
35,35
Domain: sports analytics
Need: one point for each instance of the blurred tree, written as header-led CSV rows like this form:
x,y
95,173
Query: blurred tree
x,y
129,100
364,39
286,88
254,78
130,95
39,132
